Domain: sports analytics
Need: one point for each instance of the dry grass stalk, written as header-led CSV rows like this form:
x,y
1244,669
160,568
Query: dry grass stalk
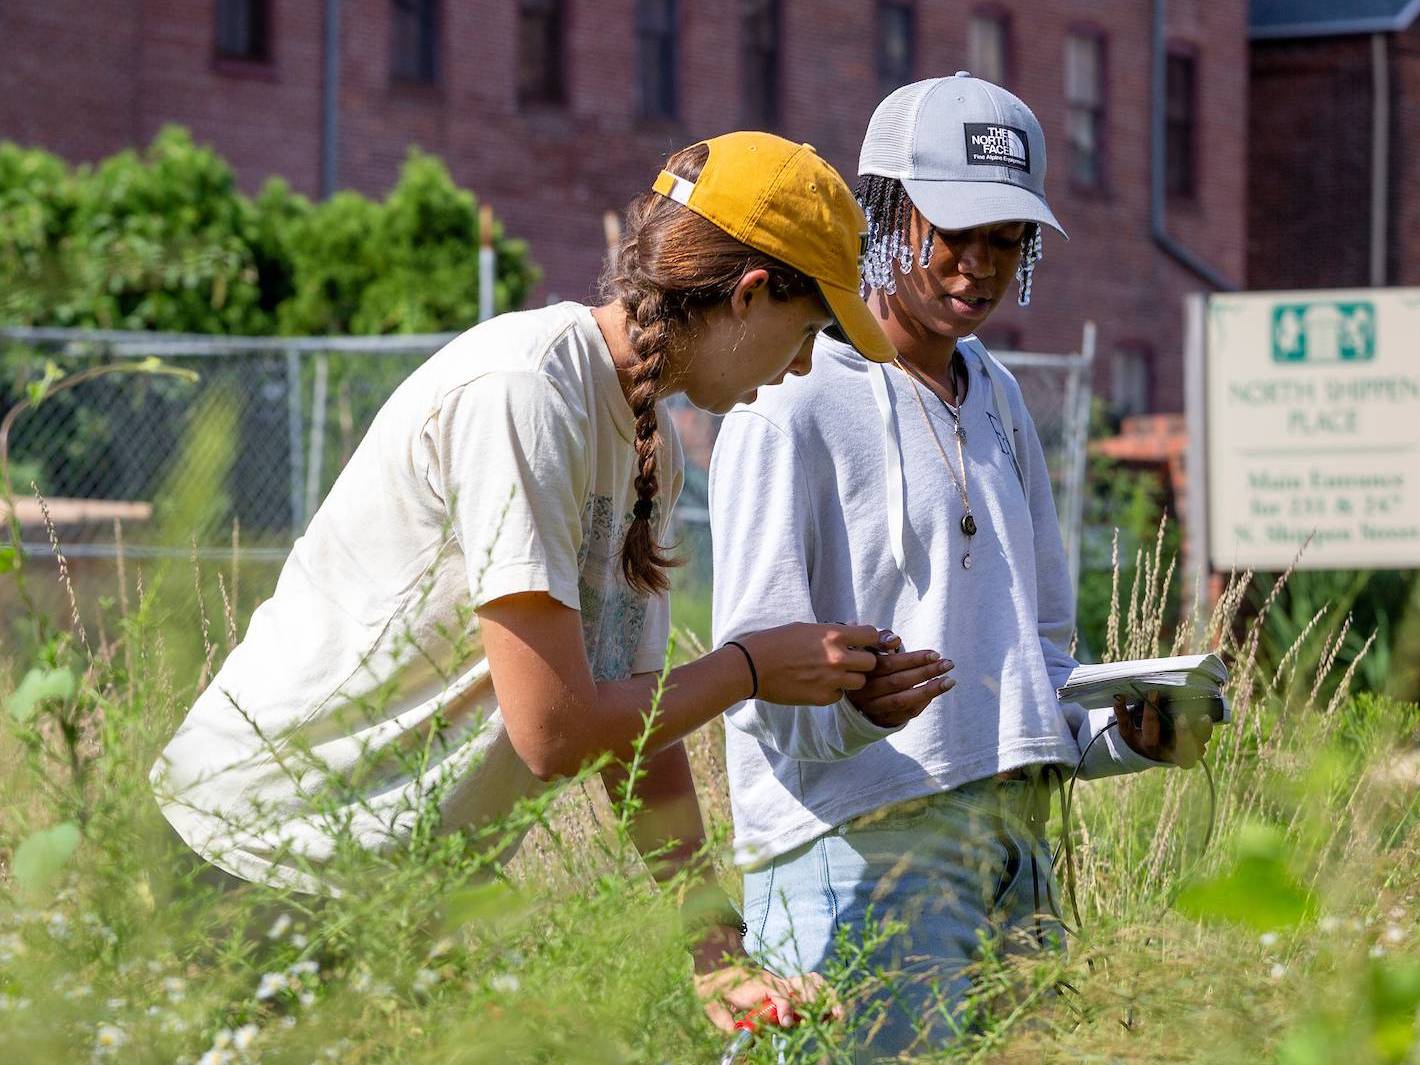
x,y
1292,655
1344,687
1112,632
1330,650
209,650
228,612
63,570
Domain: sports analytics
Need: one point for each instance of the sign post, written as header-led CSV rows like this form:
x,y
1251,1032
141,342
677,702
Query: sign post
x,y
1309,403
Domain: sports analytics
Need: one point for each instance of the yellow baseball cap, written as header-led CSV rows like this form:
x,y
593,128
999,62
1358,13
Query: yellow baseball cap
x,y
781,198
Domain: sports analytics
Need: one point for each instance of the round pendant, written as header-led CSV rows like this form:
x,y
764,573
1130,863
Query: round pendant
x,y
966,561
968,524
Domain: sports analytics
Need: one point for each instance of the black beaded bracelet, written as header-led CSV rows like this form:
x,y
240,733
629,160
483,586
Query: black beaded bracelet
x,y
753,673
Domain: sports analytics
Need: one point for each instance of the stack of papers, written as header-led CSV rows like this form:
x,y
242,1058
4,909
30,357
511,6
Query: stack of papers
x,y
1184,678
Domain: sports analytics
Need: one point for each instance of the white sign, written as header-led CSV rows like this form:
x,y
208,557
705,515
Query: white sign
x,y
1313,429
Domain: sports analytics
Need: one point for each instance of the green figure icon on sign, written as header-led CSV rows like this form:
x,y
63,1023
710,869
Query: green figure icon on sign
x,y
1323,332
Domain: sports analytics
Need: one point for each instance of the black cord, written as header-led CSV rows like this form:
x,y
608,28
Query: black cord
x,y
1067,800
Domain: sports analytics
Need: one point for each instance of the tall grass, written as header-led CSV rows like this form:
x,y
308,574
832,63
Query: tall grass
x,y
1292,939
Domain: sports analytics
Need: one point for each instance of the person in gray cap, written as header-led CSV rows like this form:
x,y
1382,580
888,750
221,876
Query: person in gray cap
x,y
915,492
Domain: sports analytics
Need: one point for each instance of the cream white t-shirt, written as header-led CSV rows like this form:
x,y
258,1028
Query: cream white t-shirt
x,y
360,693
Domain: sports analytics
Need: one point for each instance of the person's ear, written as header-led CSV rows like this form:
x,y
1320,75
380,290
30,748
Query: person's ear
x,y
753,283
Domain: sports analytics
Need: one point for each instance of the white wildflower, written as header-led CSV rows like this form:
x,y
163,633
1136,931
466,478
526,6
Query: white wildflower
x,y
245,1036
1397,913
271,984
174,987
279,927
222,1040
1268,939
287,1021
1330,923
504,983
11,947
441,947
1377,951
215,1057
299,941
361,981
116,1003
79,991
424,979
306,967
110,1038
1394,934
307,998
58,924
1277,971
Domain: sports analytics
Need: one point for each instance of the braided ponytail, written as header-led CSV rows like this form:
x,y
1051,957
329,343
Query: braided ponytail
x,y
652,321
670,266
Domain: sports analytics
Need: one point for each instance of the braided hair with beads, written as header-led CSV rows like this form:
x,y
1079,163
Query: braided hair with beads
x,y
670,266
889,252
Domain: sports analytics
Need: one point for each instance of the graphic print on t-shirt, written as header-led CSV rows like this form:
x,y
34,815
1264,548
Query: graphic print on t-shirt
x,y
613,616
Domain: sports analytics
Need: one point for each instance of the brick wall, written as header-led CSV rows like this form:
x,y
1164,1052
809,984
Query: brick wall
x,y
1403,267
88,78
1310,161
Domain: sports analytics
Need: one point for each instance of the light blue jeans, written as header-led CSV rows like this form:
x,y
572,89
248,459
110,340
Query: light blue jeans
x,y
957,869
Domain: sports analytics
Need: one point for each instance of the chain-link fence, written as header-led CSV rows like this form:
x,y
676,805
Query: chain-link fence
x,y
243,454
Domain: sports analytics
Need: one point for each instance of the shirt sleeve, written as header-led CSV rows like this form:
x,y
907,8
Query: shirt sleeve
x,y
510,465
1055,598
764,557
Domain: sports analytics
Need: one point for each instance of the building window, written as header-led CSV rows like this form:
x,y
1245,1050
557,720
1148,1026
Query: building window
x,y
656,55
1085,112
242,28
896,43
761,32
415,56
1181,126
1129,383
988,42
540,56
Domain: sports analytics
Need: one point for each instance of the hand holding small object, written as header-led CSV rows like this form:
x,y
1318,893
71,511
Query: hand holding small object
x,y
805,664
1165,731
902,684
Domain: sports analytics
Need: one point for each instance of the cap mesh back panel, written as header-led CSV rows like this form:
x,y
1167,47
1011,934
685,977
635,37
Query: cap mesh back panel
x,y
887,148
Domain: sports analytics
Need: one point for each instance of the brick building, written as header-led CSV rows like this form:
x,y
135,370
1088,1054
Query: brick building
x,y
1334,144
556,110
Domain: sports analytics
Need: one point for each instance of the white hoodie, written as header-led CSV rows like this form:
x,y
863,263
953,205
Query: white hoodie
x,y
830,502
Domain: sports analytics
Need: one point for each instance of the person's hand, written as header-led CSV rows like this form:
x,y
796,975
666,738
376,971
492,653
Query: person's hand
x,y
729,992
902,683
1167,732
810,665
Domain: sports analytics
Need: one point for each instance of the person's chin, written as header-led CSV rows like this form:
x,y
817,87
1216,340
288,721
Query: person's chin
x,y
718,404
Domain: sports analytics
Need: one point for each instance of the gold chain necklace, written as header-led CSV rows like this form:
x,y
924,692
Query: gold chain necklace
x,y
968,523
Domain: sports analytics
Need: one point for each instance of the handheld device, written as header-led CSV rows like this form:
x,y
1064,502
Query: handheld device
x,y
766,1013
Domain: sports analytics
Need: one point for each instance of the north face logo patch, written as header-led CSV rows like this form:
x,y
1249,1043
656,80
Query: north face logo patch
x,y
991,145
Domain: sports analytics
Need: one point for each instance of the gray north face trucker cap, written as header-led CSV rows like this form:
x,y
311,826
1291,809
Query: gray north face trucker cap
x,y
968,152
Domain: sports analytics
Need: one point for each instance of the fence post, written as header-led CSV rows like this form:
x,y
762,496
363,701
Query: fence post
x,y
293,426
316,458
1078,409
486,263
